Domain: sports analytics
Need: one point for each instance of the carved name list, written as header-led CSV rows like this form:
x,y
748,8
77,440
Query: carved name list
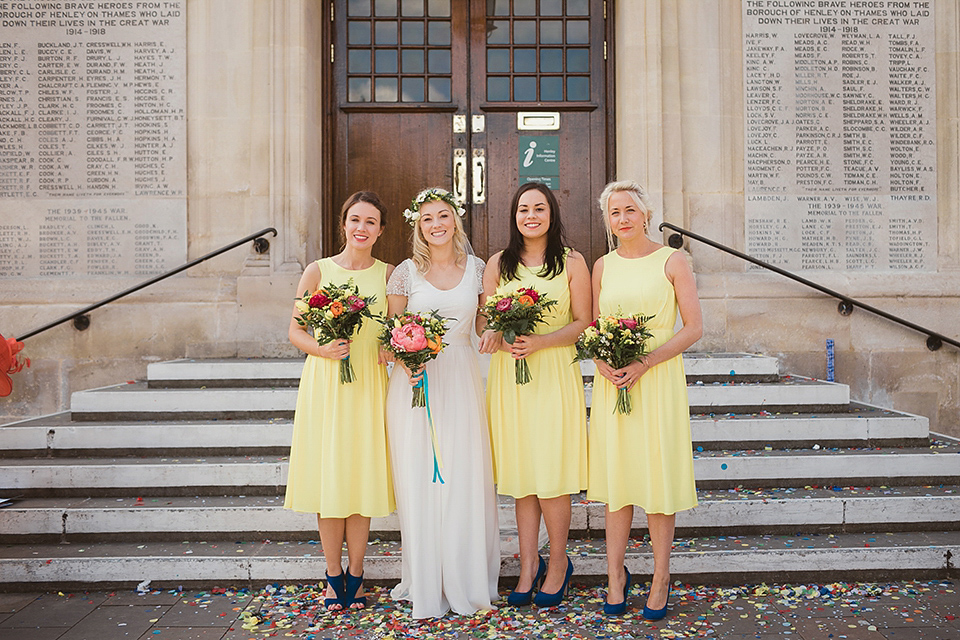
x,y
92,137
840,107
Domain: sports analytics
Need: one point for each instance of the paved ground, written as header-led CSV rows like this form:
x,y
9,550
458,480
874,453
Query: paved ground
x,y
927,610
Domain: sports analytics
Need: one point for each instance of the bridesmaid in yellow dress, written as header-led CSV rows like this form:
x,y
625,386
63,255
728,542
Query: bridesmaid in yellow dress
x,y
644,458
539,429
339,465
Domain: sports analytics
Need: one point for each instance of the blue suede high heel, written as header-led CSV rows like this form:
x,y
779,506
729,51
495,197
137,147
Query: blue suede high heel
x,y
353,585
523,598
621,608
543,599
657,614
337,583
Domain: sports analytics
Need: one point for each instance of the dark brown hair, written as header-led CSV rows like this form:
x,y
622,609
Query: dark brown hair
x,y
556,242
362,196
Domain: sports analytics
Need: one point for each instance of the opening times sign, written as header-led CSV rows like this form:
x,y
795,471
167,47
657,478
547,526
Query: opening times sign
x,y
92,137
840,127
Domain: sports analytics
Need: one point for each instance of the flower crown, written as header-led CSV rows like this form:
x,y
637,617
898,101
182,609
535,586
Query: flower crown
x,y
412,213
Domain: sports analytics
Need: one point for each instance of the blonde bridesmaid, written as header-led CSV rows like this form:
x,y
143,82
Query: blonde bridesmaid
x,y
643,458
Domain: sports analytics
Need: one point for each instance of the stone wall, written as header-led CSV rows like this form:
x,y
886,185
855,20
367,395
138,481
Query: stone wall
x,y
680,130
255,159
253,162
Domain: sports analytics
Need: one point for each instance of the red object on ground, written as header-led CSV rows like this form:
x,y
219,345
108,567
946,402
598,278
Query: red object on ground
x,y
10,363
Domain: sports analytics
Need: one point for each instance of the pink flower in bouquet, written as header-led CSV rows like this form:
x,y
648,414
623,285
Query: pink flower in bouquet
x,y
628,323
409,337
532,293
356,303
504,304
318,301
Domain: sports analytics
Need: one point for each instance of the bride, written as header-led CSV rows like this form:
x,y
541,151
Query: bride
x,y
449,527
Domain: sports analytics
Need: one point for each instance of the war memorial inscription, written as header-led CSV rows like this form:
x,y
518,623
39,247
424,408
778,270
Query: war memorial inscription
x,y
92,137
840,134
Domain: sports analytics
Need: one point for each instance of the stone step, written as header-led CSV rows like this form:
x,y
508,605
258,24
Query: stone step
x,y
936,464
256,518
717,559
265,475
225,372
136,401
858,425
58,435
285,372
710,367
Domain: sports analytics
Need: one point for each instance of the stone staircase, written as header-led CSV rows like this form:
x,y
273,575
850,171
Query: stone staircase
x,y
179,480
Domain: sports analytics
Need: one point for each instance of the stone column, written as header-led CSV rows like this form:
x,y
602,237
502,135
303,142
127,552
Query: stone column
x,y
255,160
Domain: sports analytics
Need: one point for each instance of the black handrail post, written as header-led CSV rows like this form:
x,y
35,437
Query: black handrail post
x,y
847,304
82,312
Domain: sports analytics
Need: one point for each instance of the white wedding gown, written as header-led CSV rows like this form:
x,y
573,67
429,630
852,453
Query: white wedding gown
x,y
450,532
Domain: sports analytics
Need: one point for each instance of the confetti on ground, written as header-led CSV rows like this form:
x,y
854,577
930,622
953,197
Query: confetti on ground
x,y
279,611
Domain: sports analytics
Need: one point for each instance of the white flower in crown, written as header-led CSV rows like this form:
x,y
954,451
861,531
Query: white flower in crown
x,y
412,213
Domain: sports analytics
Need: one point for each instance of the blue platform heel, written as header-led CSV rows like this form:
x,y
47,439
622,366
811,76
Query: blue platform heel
x,y
621,608
523,598
353,585
337,584
543,599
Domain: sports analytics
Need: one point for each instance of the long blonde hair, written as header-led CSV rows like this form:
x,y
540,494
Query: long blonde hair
x,y
421,250
640,198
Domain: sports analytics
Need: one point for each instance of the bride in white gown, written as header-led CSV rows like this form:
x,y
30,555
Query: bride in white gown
x,y
449,529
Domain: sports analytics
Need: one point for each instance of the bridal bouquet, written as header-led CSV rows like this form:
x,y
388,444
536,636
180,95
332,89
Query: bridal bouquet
x,y
335,312
516,314
618,341
414,339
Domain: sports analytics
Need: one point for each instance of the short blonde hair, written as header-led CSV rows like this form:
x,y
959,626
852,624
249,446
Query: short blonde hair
x,y
421,250
639,195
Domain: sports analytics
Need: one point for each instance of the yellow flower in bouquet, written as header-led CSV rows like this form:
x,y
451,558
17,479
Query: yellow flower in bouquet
x,y
618,341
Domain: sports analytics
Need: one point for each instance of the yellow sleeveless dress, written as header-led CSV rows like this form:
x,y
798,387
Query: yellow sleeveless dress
x,y
644,458
339,460
539,430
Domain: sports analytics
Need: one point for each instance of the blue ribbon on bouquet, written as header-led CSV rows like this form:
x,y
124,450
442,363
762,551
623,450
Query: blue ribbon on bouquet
x,y
437,459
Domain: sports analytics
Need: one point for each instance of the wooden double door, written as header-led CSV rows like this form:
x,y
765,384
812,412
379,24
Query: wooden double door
x,y
477,97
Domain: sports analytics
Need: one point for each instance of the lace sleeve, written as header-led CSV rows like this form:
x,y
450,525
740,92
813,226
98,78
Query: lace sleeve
x,y
399,283
478,263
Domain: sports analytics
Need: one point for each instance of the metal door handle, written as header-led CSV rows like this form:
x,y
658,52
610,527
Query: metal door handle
x,y
479,176
460,176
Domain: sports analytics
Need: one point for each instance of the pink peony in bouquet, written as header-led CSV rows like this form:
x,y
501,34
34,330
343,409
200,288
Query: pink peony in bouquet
x,y
414,339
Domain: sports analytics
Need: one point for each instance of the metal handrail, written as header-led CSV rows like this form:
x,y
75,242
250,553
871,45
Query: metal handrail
x,y
260,245
847,304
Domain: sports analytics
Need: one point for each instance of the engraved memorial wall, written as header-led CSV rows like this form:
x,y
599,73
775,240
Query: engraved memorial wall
x,y
92,138
840,128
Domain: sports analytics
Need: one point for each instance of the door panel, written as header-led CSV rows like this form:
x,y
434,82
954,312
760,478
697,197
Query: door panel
x,y
578,183
398,80
396,155
543,56
404,68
